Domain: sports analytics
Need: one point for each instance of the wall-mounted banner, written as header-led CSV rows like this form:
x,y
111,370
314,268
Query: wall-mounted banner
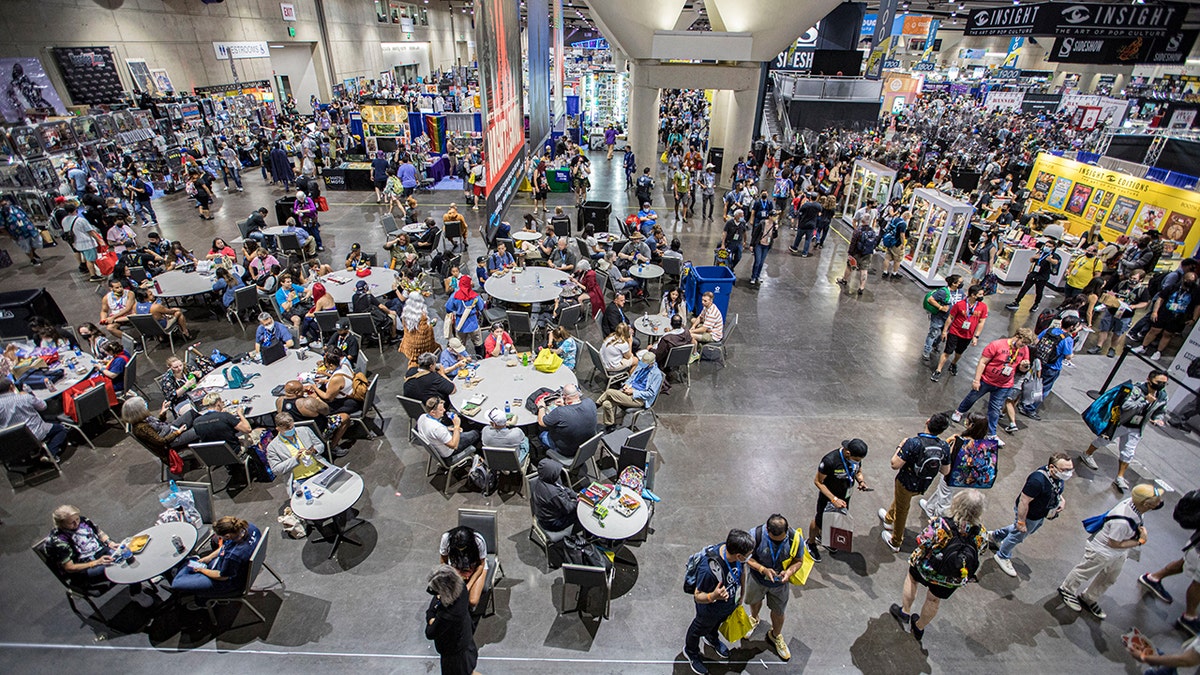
x,y
1004,100
1172,49
498,39
242,50
1078,19
28,88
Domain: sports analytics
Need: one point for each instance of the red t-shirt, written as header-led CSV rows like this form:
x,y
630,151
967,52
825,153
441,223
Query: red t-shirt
x,y
964,318
1002,358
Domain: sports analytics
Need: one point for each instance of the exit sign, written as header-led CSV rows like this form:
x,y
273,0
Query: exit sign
x,y
289,11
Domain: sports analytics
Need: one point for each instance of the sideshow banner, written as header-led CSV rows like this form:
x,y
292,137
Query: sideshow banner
x,y
90,74
1189,351
27,87
1123,204
498,40
143,80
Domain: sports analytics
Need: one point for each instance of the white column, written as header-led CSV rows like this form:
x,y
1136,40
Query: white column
x,y
643,119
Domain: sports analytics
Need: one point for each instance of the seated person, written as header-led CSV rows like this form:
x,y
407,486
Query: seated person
x,y
178,380
214,424
596,250
295,450
399,247
639,391
465,550
269,332
307,241
564,256
91,339
498,342
553,503
159,436
500,259
428,379
255,224
226,285
146,303
343,341
647,218
546,245
322,302
314,269
454,356
560,218
180,258
115,307
293,301
114,369
302,404
338,387
363,301
424,242
355,257
677,337
448,442
657,243
18,407
565,346
569,423
450,282
635,252
616,352
224,570
268,283
79,548
47,337
453,216
499,434
259,260
157,246
676,249
503,231
709,325
220,249
624,283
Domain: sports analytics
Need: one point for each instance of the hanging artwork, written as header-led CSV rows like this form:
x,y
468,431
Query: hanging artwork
x,y
25,87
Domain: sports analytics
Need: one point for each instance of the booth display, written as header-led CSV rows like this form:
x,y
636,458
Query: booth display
x,y
385,126
869,180
1015,258
605,95
937,228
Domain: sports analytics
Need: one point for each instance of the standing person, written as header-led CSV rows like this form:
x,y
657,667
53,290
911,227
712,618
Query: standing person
x,y
718,581
894,238
85,240
1170,313
762,237
143,194
1082,270
463,310
17,223
1041,498
1189,564
938,303
769,578
1121,414
448,622
610,141
231,166
708,192
995,374
629,163
863,241
1106,550
917,462
1043,267
806,224
961,329
965,451
1054,347
837,470
731,238
379,175
681,187
946,557
644,188
1132,295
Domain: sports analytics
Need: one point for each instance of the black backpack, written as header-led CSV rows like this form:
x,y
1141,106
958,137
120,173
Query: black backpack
x,y
1187,511
1046,349
868,239
957,555
930,464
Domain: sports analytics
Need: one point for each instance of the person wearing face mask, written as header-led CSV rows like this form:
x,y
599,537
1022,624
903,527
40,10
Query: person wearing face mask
x,y
1043,266
961,329
1121,414
1054,348
295,449
1106,550
718,579
1040,499
1170,313
1082,270
1131,295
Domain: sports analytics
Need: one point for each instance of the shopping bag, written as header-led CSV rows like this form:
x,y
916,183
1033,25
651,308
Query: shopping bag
x,y
547,361
990,283
69,394
837,529
322,204
106,262
737,625
800,577
1031,391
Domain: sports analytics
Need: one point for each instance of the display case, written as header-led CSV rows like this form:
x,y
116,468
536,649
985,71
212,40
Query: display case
x,y
937,226
868,180
1014,259
605,98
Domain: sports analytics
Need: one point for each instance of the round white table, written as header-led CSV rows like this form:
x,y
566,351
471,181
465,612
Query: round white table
x,y
534,284
176,284
258,397
526,236
331,505
274,230
652,325
158,556
616,527
71,377
340,285
414,228
499,382
645,271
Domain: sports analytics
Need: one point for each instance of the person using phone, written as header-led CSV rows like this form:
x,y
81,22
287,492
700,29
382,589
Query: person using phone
x,y
717,594
225,569
836,472
295,449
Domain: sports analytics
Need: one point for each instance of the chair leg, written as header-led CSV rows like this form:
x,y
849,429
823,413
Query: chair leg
x,y
278,578
257,613
81,433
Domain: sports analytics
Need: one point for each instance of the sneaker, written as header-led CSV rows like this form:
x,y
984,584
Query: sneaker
x,y
813,551
882,513
1068,598
936,376
956,416
1138,349
860,291
1089,462
36,262
924,504
1112,353
718,647
1156,356
900,616
999,443
1011,427
918,633
1093,350
886,535
925,358
1121,484
1005,566
1191,625
954,371
841,282
793,251
697,665
1156,588
1093,607
780,646
95,278
1012,306
1031,414
754,621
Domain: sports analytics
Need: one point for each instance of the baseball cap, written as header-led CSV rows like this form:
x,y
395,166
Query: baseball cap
x,y
360,286
496,416
856,446
343,324
455,344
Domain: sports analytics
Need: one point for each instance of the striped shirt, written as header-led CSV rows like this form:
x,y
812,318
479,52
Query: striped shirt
x,y
710,318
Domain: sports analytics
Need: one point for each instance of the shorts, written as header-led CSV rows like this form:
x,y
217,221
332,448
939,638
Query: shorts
x,y
477,190
777,596
894,253
345,406
705,338
89,254
379,184
28,244
1168,322
956,344
1109,323
1191,564
936,590
1127,439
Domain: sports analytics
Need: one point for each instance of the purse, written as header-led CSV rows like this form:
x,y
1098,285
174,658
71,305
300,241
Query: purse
x,y
547,361
800,577
737,625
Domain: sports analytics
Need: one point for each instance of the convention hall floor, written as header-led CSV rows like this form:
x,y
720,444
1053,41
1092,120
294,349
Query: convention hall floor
x,y
808,366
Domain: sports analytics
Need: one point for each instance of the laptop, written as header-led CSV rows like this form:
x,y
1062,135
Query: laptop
x,y
273,353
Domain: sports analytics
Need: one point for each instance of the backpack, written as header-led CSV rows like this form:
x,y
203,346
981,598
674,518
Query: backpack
x,y
930,464
691,571
958,559
929,296
891,236
359,386
483,480
1046,349
1044,319
868,239
1187,511
1094,524
974,466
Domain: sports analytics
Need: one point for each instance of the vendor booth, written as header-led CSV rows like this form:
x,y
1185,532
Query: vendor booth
x,y
937,228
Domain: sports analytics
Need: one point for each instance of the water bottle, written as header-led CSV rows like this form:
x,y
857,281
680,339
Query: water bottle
x,y
308,498
78,354
178,543
538,278
157,286
174,487
306,459
507,409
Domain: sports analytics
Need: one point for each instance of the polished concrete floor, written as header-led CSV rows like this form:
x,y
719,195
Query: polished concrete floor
x,y
809,365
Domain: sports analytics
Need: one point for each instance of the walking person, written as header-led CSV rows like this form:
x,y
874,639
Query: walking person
x,y
708,192
917,462
938,303
769,577
717,591
837,470
448,622
1054,347
1189,565
1041,498
962,328
1121,414
895,237
995,374
946,557
1106,550
1041,269
972,464
763,237
863,241
731,238
806,224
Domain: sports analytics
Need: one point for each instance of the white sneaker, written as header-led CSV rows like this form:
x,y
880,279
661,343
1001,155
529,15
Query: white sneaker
x,y
999,443
1138,349
1005,566
887,539
956,416
924,504
883,518
1121,484
1089,462
1156,356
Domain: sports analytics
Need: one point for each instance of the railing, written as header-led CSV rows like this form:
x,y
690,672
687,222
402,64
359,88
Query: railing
x,y
789,87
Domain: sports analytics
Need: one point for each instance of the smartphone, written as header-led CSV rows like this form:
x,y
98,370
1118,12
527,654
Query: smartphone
x,y
195,564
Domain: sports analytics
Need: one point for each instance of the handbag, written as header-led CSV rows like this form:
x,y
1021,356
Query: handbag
x,y
322,204
800,576
106,262
737,625
547,361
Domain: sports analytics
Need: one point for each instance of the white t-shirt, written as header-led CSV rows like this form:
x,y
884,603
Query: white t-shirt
x,y
611,354
435,434
1116,530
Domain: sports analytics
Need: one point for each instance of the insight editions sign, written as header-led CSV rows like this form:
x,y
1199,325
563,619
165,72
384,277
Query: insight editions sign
x,y
1078,19
1170,50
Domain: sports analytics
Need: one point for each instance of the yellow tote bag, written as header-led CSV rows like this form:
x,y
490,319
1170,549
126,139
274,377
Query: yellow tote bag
x,y
737,625
801,575
547,361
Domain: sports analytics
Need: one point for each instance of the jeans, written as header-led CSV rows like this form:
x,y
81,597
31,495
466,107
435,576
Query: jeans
x,y
314,228
1049,377
706,205
936,323
1010,536
760,258
705,625
140,207
735,253
804,233
822,232
549,443
55,438
996,398
233,171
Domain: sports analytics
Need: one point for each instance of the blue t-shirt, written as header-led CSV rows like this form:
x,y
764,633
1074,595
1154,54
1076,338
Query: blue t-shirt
x,y
407,173
281,295
770,554
233,561
1066,346
267,337
117,367
709,573
379,169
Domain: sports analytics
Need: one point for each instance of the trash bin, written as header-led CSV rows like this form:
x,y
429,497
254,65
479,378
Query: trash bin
x,y
700,280
596,214
716,157
283,209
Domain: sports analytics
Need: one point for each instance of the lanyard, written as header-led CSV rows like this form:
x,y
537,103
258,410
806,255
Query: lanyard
x,y
1012,353
775,550
846,467
971,310
294,447
735,571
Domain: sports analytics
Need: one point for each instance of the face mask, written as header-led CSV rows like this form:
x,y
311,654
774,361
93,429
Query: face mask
x,y
1157,386
1066,475
290,433
1046,249
1091,254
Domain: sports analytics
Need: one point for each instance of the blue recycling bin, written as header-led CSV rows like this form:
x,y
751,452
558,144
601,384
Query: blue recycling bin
x,y
700,280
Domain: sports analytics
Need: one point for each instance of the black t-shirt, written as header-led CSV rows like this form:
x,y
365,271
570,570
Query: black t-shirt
x,y
217,426
835,467
734,231
1044,491
423,387
918,452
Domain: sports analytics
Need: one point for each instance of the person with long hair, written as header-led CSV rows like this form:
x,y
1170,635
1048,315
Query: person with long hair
x,y
448,622
463,310
225,569
585,278
465,550
616,351
566,346
970,442
672,303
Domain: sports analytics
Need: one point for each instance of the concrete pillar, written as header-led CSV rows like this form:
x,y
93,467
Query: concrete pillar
x,y
731,126
643,119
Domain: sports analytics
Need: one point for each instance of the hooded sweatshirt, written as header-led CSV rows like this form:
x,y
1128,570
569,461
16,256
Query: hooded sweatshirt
x,y
553,504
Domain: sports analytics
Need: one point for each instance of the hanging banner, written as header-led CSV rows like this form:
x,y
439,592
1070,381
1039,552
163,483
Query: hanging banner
x,y
558,79
881,42
90,74
498,40
241,50
1004,100
27,87
1172,49
537,33
1078,19
1112,110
